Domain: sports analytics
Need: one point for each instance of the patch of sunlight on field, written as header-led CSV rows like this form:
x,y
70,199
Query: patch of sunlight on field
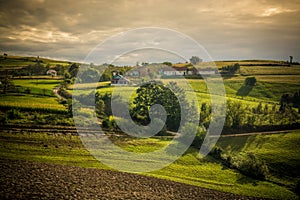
x,y
270,70
280,78
40,84
31,101
83,86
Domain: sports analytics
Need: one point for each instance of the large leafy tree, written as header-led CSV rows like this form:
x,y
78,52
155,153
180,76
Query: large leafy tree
x,y
73,69
171,97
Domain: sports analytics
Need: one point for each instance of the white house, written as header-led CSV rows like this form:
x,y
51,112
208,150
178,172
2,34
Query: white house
x,y
119,80
51,72
175,71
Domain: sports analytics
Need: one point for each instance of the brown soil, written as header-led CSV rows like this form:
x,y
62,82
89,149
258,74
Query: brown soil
x,y
32,180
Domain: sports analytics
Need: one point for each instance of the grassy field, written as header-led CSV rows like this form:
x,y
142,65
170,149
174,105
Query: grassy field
x,y
16,62
207,172
267,92
279,151
31,102
271,70
38,86
40,98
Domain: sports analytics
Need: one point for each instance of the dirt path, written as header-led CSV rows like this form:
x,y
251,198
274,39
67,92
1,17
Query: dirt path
x,y
30,180
55,91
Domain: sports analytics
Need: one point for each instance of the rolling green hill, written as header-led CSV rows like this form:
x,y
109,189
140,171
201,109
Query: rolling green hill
x,y
33,103
16,62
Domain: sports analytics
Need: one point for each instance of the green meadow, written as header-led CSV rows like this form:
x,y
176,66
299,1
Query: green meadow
x,y
206,172
35,103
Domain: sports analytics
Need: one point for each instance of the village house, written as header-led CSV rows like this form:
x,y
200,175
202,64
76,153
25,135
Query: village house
x,y
186,71
119,80
204,72
174,71
51,72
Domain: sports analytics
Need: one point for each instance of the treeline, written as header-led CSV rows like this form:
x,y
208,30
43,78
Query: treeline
x,y
287,101
171,97
38,69
230,69
91,73
239,117
246,163
11,115
245,118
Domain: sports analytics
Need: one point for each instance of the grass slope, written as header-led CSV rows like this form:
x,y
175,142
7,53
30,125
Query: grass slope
x,y
40,87
15,62
207,172
279,151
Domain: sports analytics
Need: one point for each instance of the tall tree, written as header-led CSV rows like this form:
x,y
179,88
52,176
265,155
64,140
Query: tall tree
x,y
195,60
171,97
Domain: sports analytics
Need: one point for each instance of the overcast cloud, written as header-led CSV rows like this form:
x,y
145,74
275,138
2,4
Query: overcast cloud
x,y
67,29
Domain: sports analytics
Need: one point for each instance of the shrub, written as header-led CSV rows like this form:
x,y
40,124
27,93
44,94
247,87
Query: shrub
x,y
3,119
64,93
28,91
39,118
109,123
63,101
251,81
14,114
216,153
199,138
249,165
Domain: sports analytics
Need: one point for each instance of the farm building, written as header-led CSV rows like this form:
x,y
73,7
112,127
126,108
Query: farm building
x,y
51,72
185,71
174,71
177,71
118,80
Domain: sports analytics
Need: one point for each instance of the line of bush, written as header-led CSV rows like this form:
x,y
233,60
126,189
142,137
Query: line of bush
x,y
247,163
14,115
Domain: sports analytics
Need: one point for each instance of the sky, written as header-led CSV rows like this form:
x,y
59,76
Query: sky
x,y
226,29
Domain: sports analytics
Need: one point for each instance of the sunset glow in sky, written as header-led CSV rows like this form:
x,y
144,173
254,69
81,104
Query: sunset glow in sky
x,y
67,29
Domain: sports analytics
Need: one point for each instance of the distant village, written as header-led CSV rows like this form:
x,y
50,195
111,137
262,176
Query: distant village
x,y
163,70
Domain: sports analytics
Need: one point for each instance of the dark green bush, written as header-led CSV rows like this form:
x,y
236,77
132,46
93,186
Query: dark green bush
x,y
3,119
247,163
39,118
14,114
216,153
251,81
251,166
109,123
27,90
